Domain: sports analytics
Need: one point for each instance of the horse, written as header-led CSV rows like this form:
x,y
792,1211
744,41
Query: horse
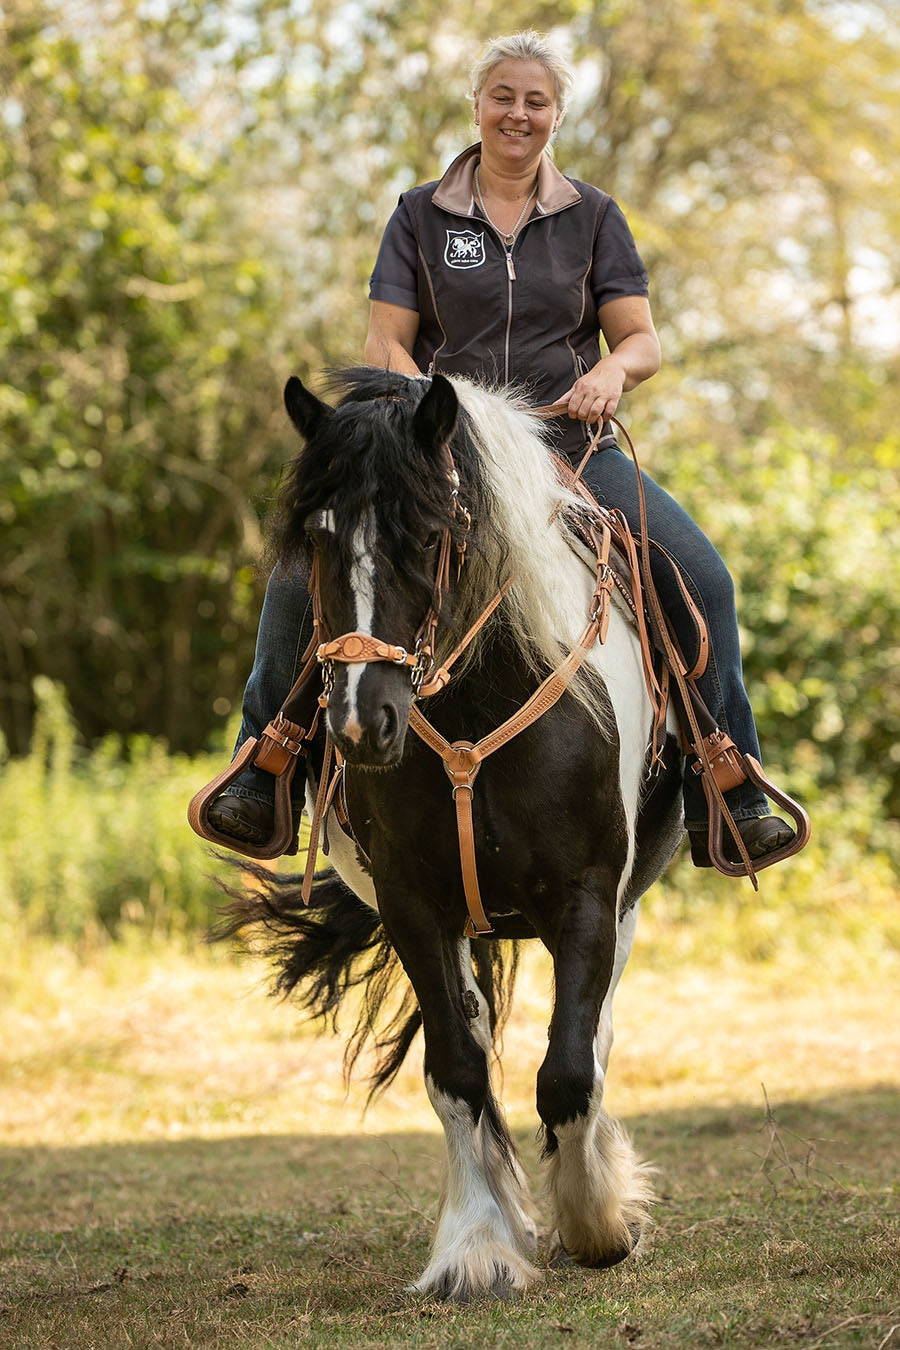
x,y
569,827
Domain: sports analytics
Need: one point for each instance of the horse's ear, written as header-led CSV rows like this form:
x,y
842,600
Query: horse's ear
x,y
304,409
435,418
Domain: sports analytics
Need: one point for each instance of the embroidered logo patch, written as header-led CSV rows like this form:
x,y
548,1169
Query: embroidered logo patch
x,y
464,248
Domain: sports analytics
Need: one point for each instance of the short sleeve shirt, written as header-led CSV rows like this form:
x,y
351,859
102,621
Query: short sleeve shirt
x,y
617,269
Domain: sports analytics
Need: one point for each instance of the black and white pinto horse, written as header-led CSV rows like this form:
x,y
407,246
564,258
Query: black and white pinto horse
x,y
569,830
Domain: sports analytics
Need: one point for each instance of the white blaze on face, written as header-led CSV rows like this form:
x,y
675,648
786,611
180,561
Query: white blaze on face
x,y
362,584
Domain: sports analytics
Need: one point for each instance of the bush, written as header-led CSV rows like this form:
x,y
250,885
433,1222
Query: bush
x,y
92,841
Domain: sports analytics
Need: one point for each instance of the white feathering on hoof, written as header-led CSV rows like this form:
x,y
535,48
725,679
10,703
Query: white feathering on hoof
x,y
485,1226
599,1190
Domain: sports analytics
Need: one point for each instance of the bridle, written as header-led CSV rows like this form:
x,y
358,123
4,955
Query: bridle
x,y
355,648
709,751
462,760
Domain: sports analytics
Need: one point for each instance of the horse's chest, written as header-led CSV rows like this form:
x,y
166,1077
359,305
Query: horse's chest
x,y
542,812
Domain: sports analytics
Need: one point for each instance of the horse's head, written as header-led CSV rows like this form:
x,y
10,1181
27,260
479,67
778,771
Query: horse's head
x,y
372,495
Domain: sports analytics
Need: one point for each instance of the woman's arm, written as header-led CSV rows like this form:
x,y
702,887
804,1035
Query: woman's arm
x,y
391,337
634,356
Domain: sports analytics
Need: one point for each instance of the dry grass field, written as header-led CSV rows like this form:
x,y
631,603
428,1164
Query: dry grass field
x,y
180,1163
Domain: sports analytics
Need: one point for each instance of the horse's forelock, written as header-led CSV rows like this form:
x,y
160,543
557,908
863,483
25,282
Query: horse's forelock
x,y
366,457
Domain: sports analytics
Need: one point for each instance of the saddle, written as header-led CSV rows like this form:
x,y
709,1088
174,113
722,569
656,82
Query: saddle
x,y
622,562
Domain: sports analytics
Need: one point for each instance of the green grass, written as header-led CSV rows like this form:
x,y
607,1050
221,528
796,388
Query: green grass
x,y
264,1241
95,844
181,1164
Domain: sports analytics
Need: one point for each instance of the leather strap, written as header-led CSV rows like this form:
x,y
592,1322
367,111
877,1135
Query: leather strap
x,y
315,824
462,760
358,648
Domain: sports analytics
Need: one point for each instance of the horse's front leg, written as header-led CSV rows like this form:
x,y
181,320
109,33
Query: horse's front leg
x,y
599,1191
485,1230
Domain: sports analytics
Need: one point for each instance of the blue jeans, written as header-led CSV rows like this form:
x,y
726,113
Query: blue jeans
x,y
285,628
611,477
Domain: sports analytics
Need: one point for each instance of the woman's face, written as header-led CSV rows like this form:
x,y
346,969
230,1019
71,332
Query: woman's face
x,y
516,112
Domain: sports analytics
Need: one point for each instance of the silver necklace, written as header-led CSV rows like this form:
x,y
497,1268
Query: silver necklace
x,y
508,238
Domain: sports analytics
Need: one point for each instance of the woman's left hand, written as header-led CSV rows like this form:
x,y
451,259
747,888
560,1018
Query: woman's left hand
x,y
595,395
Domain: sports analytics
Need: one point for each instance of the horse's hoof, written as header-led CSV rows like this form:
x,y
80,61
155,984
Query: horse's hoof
x,y
561,1259
603,1260
501,1290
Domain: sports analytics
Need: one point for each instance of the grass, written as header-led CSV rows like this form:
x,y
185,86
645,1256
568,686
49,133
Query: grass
x,y
181,1164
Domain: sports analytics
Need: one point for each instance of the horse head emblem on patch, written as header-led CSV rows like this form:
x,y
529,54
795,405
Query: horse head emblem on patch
x,y
464,248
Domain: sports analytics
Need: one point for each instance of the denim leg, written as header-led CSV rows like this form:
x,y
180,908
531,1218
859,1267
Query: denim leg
x,y
611,477
285,629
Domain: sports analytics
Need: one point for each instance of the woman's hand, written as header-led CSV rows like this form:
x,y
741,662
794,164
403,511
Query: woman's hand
x,y
595,396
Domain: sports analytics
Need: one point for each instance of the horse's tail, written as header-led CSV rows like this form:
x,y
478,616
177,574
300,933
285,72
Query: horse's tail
x,y
336,945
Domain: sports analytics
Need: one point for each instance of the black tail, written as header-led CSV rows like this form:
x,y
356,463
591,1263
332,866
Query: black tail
x,y
323,952
338,944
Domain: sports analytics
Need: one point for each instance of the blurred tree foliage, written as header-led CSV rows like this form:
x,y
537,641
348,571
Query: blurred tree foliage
x,y
138,402
192,196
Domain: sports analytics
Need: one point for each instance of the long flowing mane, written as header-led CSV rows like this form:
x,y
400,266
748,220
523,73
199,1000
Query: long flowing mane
x,y
508,482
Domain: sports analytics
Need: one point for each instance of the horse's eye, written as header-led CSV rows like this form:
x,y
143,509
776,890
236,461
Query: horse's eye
x,y
433,540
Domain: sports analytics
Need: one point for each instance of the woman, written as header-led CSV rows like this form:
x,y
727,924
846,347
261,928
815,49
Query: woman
x,y
507,271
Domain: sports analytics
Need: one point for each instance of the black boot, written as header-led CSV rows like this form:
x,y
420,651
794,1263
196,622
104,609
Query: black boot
x,y
242,818
761,835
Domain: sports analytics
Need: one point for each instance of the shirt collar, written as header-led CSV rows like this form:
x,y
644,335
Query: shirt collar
x,y
456,193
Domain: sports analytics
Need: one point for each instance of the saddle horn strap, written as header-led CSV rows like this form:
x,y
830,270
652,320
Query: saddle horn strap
x,y
283,828
753,770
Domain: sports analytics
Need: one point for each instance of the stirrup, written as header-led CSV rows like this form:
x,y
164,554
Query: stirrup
x,y
754,771
282,835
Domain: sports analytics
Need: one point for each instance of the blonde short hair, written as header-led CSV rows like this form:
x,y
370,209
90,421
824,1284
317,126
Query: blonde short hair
x,y
526,46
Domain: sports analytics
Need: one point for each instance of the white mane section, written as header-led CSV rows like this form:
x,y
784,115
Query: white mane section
x,y
549,601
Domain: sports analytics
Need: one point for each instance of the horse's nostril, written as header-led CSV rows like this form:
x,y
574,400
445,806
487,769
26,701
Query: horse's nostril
x,y
386,730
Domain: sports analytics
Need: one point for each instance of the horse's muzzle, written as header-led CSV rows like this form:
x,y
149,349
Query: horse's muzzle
x,y
368,714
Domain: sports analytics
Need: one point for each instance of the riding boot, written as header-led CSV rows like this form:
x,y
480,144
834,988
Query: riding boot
x,y
246,809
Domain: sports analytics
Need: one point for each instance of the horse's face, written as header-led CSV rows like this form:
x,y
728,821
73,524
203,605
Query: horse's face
x,y
377,538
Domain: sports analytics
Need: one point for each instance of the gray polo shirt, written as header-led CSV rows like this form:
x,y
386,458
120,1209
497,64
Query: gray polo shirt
x,y
525,316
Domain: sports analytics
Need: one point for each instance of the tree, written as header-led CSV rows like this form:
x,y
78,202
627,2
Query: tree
x,y
138,404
